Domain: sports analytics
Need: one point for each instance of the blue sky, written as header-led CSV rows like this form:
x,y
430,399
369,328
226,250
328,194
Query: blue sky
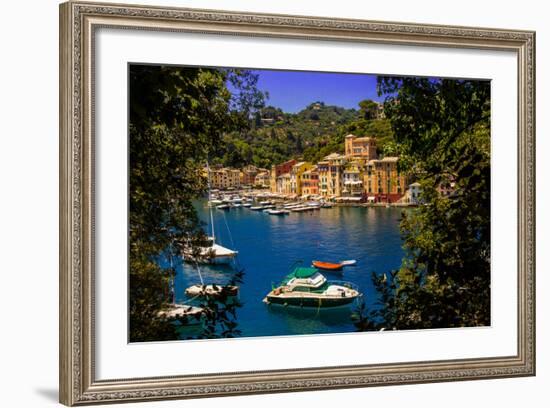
x,y
294,90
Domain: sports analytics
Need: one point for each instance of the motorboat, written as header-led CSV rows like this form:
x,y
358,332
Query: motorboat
x,y
307,287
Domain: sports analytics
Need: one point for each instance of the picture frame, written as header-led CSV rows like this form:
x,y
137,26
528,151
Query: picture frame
x,y
79,22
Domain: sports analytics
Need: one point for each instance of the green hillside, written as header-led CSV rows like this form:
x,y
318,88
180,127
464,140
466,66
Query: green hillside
x,y
310,134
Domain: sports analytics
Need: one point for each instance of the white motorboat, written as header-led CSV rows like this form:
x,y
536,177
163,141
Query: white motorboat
x,y
307,287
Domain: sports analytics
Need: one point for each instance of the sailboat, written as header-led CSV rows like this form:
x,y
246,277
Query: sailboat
x,y
212,253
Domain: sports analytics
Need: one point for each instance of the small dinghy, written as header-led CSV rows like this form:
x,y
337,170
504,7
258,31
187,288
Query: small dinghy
x,y
329,266
211,290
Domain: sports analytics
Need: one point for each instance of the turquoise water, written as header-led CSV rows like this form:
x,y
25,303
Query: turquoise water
x,y
269,245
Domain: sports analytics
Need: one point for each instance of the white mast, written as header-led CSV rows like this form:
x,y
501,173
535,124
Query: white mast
x,y
210,205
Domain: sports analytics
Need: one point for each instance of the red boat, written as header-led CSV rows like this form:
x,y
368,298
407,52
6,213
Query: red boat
x,y
329,266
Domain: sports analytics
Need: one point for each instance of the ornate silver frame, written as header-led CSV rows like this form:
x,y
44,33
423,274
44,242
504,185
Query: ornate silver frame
x,y
78,22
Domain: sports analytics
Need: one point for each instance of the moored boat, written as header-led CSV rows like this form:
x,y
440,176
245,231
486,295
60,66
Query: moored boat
x,y
307,287
212,253
330,266
277,212
212,290
191,314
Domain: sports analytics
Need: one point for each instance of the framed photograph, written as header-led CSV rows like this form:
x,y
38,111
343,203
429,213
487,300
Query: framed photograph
x,y
258,203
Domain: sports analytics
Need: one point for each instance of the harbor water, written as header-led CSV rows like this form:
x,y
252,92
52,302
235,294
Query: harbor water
x,y
269,245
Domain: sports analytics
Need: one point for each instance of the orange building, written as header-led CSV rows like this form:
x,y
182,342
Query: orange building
x,y
382,181
310,181
360,147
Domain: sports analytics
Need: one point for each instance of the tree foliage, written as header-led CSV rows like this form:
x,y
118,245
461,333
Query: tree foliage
x,y
177,119
442,131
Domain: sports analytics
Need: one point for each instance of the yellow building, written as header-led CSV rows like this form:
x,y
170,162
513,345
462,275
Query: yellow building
x,y
295,177
382,181
331,170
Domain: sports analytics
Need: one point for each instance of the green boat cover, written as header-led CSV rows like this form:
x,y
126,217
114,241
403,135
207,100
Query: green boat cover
x,y
300,273
303,273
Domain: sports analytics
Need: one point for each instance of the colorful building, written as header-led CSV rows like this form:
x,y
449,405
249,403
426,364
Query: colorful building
x,y
382,181
295,177
283,184
262,179
224,178
277,171
248,175
353,179
360,147
310,181
331,171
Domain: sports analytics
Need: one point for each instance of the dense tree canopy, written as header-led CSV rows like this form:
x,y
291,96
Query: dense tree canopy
x,y
442,132
309,134
177,119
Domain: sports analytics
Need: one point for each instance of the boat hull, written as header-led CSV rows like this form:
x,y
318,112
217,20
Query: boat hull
x,y
211,290
304,301
216,260
327,266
